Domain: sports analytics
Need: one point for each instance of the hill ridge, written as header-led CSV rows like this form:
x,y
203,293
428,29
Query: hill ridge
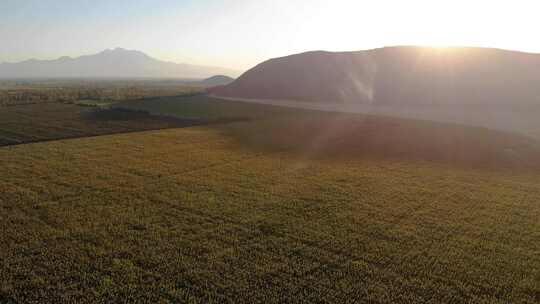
x,y
395,75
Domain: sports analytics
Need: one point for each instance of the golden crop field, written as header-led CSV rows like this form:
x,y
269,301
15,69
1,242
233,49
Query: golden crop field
x,y
286,206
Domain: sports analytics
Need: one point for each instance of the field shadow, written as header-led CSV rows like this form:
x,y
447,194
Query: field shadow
x,y
356,136
132,115
312,134
46,122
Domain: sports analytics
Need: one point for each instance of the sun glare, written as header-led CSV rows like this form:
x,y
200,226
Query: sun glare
x,y
357,25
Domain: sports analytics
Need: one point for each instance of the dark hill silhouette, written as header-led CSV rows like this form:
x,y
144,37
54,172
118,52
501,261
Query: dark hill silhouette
x,y
117,63
396,76
217,80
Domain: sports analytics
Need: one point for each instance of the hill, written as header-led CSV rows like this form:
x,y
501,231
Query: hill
x,y
407,75
116,63
217,80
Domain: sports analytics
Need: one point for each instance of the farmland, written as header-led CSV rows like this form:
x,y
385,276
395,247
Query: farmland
x,y
21,124
275,205
37,91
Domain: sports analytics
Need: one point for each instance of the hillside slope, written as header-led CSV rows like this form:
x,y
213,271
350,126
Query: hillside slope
x,y
396,76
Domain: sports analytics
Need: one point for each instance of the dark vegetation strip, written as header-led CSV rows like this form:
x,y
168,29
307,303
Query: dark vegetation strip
x,y
4,143
26,103
137,118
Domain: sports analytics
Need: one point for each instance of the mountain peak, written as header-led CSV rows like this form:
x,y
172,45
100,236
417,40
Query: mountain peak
x,y
117,62
117,49
120,50
124,55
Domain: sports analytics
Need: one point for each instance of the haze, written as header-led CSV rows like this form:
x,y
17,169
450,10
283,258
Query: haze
x,y
239,34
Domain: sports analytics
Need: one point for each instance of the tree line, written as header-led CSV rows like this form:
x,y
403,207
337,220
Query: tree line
x,y
18,96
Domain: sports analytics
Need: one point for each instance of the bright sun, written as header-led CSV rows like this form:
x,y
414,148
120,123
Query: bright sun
x,y
360,24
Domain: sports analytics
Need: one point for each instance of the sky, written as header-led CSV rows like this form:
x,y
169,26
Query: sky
x,y
239,34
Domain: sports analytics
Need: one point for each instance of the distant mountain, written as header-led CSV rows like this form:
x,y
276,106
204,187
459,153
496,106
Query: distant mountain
x,y
217,80
395,76
116,63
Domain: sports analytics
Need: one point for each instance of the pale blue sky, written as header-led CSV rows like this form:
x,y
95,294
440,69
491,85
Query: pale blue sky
x,y
241,33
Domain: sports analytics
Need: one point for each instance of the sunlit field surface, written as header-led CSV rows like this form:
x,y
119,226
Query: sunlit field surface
x,y
284,206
